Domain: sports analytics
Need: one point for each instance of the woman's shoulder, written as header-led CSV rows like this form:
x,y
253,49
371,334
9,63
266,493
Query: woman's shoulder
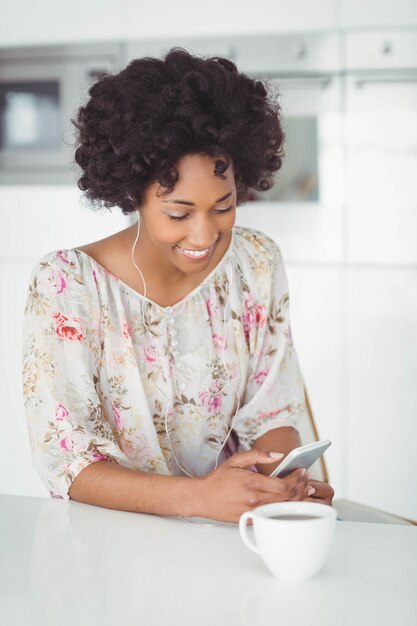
x,y
60,276
257,245
64,260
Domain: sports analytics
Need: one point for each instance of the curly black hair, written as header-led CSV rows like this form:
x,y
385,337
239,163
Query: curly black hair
x,y
138,123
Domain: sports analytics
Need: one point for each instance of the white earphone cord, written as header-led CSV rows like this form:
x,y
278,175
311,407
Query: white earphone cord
x,y
199,382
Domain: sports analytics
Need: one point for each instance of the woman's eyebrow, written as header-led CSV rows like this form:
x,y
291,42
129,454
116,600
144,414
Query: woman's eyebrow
x,y
188,203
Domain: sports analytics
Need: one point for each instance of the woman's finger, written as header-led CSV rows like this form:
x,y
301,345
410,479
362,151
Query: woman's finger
x,y
266,484
253,456
323,490
318,500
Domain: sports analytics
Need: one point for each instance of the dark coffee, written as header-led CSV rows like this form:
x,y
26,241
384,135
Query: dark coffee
x,y
292,517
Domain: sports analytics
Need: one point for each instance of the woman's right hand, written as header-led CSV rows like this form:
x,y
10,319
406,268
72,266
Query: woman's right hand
x,y
228,491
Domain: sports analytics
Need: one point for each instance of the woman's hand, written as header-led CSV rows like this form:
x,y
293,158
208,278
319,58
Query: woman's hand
x,y
231,489
324,492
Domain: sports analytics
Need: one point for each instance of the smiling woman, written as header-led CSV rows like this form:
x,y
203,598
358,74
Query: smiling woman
x,y
178,256
158,364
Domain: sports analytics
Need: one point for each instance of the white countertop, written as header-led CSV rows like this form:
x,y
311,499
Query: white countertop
x,y
65,563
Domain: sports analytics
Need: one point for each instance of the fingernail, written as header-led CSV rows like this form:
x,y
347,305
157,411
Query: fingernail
x,y
303,471
311,491
276,455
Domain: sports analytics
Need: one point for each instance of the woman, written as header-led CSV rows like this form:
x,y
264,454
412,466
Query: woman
x,y
158,365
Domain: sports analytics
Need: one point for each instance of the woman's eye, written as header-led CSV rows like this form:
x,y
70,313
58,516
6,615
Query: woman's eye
x,y
221,211
182,217
175,217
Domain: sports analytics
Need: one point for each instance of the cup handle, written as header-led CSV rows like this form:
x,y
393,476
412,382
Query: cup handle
x,y
243,529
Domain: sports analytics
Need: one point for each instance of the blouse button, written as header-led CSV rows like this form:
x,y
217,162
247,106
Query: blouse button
x,y
174,342
171,320
182,386
175,353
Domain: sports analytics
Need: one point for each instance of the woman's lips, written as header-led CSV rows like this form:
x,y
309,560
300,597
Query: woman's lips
x,y
194,257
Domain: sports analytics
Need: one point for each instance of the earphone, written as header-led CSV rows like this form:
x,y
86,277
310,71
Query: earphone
x,y
199,382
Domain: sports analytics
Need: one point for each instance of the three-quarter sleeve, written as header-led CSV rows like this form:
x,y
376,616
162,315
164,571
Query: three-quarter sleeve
x,y
274,394
61,353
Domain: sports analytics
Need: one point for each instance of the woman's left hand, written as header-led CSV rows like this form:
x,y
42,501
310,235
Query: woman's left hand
x,y
324,492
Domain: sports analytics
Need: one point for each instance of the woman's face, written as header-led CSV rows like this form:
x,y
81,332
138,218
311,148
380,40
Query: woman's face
x,y
185,227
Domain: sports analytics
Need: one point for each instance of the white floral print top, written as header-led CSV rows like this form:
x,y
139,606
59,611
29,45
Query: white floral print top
x,y
103,365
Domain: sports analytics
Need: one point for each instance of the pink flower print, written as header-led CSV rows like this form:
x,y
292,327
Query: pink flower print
x,y
150,354
117,418
61,413
57,281
72,443
97,456
272,413
212,308
260,377
249,316
95,278
67,443
260,315
52,282
218,342
126,330
68,330
61,255
211,402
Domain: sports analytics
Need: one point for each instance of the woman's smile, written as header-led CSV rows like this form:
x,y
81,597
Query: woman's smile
x,y
195,255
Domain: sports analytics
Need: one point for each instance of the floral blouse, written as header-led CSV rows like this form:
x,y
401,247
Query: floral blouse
x,y
108,373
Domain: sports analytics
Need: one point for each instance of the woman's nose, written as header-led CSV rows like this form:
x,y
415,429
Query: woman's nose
x,y
203,237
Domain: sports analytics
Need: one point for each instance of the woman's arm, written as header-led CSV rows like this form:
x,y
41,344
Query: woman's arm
x,y
223,494
113,486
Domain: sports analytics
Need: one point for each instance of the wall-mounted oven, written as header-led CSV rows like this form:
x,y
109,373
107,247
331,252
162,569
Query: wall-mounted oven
x,y
40,89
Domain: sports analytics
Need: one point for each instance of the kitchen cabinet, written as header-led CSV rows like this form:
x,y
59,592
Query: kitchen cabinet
x,y
303,53
43,22
380,138
359,14
47,22
187,18
382,394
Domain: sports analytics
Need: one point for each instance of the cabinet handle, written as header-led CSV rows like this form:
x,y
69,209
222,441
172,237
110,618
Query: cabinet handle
x,y
360,82
300,50
387,48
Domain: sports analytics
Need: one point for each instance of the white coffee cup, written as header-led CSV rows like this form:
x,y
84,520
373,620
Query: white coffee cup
x,y
292,549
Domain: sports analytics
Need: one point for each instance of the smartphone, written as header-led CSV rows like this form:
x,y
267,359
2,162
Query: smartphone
x,y
304,456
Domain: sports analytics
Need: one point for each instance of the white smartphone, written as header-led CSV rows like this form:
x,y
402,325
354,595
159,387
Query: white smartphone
x,y
304,456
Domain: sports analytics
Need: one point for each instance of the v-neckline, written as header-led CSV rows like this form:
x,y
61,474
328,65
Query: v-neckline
x,y
188,296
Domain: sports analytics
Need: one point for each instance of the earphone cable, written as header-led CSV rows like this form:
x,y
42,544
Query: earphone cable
x,y
168,402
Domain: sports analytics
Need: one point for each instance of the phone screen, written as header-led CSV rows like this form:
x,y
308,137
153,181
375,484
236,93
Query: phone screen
x,y
304,456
